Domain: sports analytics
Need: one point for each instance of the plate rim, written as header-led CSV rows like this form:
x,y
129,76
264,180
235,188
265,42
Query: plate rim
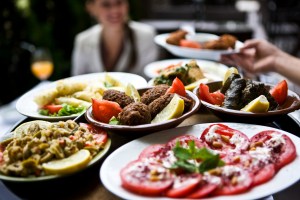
x,y
34,91
102,171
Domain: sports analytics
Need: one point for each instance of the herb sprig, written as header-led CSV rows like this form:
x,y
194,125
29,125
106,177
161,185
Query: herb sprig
x,y
189,158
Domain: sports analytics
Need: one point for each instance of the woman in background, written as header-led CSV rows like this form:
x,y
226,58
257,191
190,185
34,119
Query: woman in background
x,y
116,43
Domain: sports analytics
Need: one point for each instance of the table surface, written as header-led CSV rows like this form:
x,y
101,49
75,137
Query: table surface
x,y
87,185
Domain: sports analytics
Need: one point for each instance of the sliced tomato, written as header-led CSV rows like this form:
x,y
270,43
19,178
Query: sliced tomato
x,y
203,189
215,98
152,151
223,138
99,134
263,174
146,178
183,185
189,44
104,110
177,87
283,150
235,180
279,92
262,171
52,108
184,140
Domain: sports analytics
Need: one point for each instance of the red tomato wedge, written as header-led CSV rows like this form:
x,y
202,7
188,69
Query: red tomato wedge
x,y
99,135
189,44
282,148
151,151
146,178
177,87
52,108
279,92
104,110
235,180
223,138
183,185
215,98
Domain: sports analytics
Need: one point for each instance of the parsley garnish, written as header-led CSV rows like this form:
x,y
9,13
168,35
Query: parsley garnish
x,y
188,158
114,121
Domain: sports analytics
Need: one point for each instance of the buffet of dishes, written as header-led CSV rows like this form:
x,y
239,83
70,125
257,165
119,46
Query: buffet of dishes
x,y
71,124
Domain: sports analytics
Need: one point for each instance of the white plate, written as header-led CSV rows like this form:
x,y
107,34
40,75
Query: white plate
x,y
195,53
26,105
212,70
110,170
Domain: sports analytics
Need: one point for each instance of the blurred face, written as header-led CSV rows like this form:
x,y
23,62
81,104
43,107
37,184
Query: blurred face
x,y
109,12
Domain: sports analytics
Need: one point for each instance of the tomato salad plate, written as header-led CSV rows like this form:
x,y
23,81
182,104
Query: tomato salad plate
x,y
228,161
69,97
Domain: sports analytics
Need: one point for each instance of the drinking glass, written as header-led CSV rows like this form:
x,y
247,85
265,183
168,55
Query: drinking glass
x,y
42,65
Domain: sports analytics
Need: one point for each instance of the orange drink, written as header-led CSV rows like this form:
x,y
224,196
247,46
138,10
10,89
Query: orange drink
x,y
42,69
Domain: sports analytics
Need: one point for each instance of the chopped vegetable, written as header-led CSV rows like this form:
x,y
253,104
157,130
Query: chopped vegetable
x,y
215,98
177,87
279,92
104,110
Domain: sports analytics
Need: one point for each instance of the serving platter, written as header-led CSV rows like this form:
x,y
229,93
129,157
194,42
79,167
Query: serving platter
x,y
115,162
196,53
26,105
291,104
27,180
145,128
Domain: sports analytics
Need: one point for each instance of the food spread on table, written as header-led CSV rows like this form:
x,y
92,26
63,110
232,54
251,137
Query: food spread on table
x,y
71,97
238,93
220,161
224,42
39,148
157,104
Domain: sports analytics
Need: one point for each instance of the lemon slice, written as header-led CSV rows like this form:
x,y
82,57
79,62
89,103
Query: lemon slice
x,y
112,81
196,83
231,70
258,105
68,165
132,92
29,127
172,110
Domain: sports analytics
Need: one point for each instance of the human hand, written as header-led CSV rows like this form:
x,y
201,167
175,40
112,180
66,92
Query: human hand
x,y
255,56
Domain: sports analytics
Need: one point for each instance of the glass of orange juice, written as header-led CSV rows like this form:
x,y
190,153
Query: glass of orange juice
x,y
42,65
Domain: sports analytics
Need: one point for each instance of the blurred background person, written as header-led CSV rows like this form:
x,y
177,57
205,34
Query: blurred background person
x,y
260,56
116,43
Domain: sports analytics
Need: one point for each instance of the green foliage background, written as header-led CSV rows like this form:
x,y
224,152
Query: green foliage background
x,y
42,23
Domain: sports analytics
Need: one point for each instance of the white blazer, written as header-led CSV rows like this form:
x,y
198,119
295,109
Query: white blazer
x,y
86,53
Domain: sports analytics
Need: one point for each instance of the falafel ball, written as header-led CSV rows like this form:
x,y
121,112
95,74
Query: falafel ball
x,y
135,114
160,103
117,96
153,93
